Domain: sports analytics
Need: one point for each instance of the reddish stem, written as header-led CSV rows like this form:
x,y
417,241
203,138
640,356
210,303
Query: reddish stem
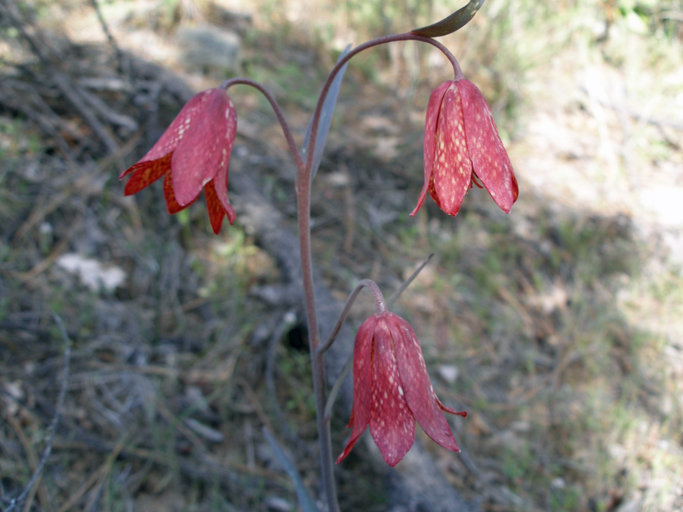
x,y
293,149
303,192
380,307
340,64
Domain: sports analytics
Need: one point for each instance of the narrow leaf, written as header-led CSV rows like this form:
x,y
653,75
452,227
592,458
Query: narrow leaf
x,y
305,499
337,386
407,282
450,24
325,118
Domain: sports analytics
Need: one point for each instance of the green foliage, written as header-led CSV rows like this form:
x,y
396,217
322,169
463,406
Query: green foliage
x,y
295,371
377,16
17,138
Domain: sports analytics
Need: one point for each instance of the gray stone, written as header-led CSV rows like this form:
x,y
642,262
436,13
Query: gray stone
x,y
208,48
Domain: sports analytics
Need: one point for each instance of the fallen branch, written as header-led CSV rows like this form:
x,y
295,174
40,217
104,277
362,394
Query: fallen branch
x,y
66,86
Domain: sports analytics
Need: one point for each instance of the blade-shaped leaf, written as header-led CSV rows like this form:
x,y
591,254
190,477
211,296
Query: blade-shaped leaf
x,y
325,118
305,499
450,24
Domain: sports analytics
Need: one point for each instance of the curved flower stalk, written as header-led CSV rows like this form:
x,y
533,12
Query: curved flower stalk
x,y
192,154
392,390
462,147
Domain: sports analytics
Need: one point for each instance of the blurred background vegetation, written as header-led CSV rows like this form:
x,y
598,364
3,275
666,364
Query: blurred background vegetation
x,y
558,327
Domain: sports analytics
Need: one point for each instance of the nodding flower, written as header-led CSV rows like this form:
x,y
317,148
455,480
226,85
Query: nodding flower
x,y
392,390
192,154
461,148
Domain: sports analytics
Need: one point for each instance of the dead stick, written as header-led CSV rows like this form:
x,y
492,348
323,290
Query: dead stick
x,y
55,419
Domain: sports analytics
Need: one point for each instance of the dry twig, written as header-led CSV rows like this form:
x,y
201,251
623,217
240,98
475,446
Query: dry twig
x,y
19,500
66,86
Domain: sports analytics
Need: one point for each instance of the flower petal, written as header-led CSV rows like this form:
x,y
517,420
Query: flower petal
x,y
144,173
178,128
392,424
433,112
419,392
221,186
215,207
172,204
362,383
489,158
452,165
204,146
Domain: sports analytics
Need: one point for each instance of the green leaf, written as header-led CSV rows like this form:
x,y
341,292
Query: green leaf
x,y
305,499
325,118
454,22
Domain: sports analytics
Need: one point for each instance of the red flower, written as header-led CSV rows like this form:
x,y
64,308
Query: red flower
x,y
462,147
391,390
193,153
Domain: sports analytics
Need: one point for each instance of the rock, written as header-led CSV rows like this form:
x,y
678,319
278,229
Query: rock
x,y
207,48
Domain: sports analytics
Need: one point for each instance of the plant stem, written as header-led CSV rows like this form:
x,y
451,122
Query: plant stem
x,y
380,307
358,49
293,149
303,194
317,364
303,189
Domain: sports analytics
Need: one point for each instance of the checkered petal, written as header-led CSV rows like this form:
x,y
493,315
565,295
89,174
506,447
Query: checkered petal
x,y
489,158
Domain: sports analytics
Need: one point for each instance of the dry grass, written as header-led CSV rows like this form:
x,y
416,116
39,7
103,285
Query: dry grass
x,y
557,327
